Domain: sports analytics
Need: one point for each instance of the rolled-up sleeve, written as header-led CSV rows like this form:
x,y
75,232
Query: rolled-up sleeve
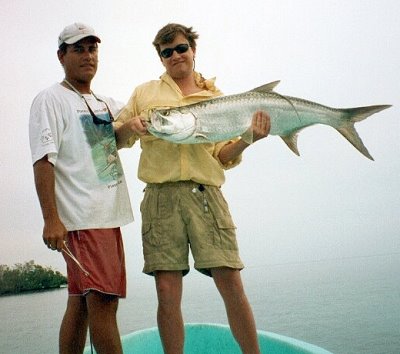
x,y
230,164
126,113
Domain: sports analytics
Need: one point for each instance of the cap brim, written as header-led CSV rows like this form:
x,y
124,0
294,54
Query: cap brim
x,y
75,39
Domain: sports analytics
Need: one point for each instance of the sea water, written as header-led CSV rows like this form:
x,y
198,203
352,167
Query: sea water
x,y
347,306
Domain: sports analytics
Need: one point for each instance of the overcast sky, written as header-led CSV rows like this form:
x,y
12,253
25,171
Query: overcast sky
x,y
331,202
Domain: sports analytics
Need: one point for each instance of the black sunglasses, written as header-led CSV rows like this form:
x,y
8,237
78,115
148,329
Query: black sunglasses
x,y
180,48
97,120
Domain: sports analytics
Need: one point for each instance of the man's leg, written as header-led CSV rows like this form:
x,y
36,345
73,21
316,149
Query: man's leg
x,y
74,326
240,315
169,314
102,313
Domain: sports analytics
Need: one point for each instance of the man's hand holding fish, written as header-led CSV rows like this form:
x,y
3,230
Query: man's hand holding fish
x,y
134,126
259,129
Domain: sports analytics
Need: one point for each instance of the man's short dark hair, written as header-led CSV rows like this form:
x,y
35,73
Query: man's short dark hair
x,y
168,33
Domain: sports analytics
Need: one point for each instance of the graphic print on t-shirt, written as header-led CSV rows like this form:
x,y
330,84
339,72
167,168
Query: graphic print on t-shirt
x,y
100,137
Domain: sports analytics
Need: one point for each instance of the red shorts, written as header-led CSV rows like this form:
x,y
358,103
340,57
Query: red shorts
x,y
100,252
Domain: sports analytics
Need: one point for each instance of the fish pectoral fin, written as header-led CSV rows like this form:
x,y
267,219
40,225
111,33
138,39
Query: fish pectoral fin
x,y
291,141
267,87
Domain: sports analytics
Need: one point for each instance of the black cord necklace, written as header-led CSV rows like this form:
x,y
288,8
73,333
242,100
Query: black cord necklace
x,y
96,120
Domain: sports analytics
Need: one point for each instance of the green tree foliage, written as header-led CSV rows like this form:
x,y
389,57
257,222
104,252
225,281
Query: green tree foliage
x,y
28,277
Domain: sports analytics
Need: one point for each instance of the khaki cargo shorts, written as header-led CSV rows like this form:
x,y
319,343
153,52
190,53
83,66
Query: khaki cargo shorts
x,y
179,215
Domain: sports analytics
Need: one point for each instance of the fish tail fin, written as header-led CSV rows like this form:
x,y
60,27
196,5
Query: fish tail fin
x,y
352,136
356,115
360,113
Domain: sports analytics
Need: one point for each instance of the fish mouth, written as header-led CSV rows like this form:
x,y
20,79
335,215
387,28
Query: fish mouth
x,y
161,122
173,124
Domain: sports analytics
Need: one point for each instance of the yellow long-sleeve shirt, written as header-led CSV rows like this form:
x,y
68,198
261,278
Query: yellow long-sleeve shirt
x,y
162,161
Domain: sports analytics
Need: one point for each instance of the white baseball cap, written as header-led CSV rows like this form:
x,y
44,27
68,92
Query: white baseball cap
x,y
75,32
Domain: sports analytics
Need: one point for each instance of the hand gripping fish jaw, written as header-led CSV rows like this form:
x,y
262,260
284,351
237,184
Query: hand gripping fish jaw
x,y
170,122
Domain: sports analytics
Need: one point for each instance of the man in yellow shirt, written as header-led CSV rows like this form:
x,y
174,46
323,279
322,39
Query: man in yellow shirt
x,y
183,205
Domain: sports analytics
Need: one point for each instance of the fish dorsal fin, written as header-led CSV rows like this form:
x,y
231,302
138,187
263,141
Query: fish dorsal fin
x,y
270,88
267,87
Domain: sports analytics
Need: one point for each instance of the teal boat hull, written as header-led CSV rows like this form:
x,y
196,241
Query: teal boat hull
x,y
201,338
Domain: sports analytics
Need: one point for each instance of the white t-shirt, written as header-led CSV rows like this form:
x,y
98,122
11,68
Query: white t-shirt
x,y
90,186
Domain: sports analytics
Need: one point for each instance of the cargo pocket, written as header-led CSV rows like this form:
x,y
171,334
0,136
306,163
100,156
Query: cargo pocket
x,y
226,237
152,238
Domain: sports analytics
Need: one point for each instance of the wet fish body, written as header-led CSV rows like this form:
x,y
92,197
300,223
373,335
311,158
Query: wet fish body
x,y
230,116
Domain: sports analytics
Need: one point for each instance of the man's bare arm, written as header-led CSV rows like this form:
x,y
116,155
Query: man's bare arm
x,y
54,231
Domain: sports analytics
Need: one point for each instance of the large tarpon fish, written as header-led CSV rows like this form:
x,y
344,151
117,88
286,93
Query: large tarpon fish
x,y
230,116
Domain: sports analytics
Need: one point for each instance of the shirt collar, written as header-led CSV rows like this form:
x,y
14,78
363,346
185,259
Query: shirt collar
x,y
208,86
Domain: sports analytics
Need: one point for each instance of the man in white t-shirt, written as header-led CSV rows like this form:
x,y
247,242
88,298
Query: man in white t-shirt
x,y
82,192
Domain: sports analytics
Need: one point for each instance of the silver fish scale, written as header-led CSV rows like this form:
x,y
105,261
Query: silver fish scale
x,y
227,117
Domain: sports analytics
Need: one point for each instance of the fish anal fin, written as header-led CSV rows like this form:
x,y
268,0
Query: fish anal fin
x,y
352,136
267,87
291,141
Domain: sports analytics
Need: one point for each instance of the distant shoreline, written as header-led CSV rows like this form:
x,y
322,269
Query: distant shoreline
x,y
34,291
29,277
